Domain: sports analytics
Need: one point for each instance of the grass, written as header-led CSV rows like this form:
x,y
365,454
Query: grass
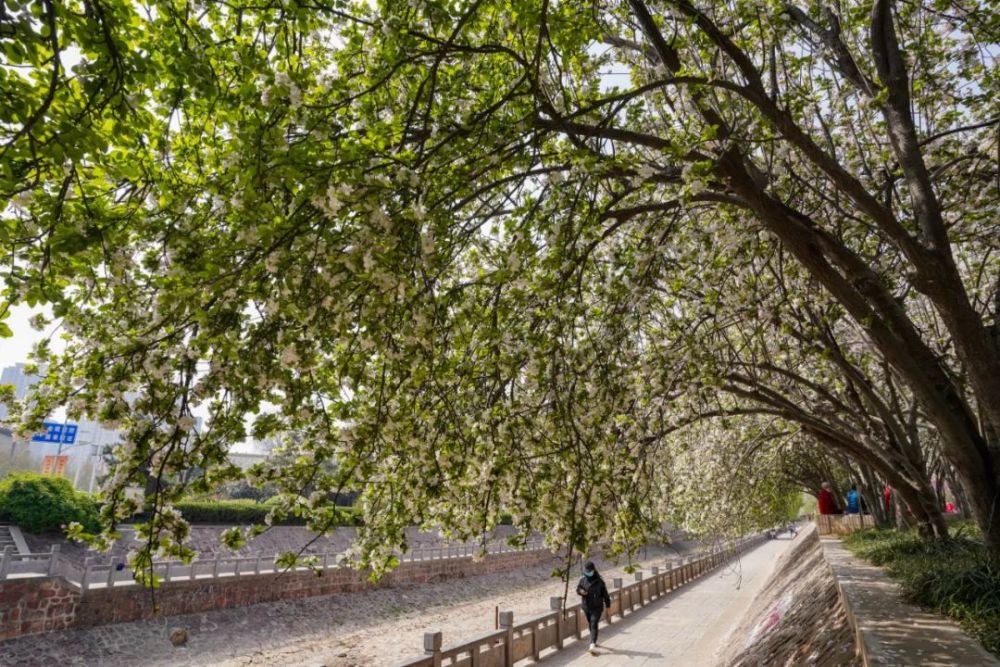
x,y
958,578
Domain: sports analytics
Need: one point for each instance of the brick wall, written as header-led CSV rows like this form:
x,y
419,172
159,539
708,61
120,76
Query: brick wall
x,y
29,606
44,604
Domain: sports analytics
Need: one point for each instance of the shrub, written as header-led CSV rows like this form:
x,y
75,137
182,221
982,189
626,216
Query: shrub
x,y
243,490
958,577
222,511
39,503
247,512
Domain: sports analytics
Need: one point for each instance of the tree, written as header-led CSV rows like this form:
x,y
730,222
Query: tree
x,y
431,233
756,348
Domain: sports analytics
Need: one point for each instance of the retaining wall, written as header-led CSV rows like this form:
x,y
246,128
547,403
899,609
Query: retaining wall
x,y
29,606
42,604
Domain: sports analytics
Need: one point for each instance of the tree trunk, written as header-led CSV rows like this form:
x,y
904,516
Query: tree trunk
x,y
984,498
893,335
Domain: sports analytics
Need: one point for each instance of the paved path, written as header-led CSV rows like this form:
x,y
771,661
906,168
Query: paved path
x,y
893,631
688,627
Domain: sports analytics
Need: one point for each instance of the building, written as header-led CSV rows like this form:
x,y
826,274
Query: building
x,y
22,381
85,461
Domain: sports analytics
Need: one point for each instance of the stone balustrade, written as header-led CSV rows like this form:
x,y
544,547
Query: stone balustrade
x,y
44,592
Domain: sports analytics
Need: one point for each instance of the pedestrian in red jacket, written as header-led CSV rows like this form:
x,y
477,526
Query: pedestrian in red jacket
x,y
826,504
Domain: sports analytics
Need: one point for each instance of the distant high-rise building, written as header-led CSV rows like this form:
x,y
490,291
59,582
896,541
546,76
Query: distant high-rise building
x,y
22,381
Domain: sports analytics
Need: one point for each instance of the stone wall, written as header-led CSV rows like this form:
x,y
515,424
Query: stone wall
x,y
29,606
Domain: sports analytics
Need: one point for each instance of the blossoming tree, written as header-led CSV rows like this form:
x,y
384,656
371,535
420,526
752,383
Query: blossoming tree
x,y
432,239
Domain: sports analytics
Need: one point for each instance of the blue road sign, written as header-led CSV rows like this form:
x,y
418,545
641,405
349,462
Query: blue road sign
x,y
64,434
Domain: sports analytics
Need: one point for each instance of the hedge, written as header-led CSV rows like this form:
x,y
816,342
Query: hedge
x,y
39,503
245,512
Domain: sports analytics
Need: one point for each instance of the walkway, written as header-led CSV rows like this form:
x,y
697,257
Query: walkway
x,y
895,632
687,628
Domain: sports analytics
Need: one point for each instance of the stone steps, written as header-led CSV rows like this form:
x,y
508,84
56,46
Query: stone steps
x,y
8,539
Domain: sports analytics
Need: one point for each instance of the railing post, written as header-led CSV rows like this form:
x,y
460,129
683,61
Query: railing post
x,y
256,565
326,559
432,646
111,572
616,583
85,577
5,561
656,580
215,566
576,622
53,559
555,604
507,622
166,572
638,580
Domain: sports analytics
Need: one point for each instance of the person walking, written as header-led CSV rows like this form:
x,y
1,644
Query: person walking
x,y
595,598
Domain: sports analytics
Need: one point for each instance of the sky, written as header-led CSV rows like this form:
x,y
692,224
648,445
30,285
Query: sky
x,y
17,348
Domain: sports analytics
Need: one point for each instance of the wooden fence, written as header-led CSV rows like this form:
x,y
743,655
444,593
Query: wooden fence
x,y
512,643
842,524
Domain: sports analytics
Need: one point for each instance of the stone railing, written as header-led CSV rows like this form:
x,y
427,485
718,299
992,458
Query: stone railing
x,y
45,592
512,643
95,574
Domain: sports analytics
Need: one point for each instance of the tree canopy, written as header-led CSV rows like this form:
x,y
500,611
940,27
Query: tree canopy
x,y
572,260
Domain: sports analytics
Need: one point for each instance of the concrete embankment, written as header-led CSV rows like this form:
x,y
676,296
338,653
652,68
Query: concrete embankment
x,y
797,618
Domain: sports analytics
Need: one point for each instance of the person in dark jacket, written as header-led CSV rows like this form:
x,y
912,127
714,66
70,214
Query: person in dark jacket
x,y
594,598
